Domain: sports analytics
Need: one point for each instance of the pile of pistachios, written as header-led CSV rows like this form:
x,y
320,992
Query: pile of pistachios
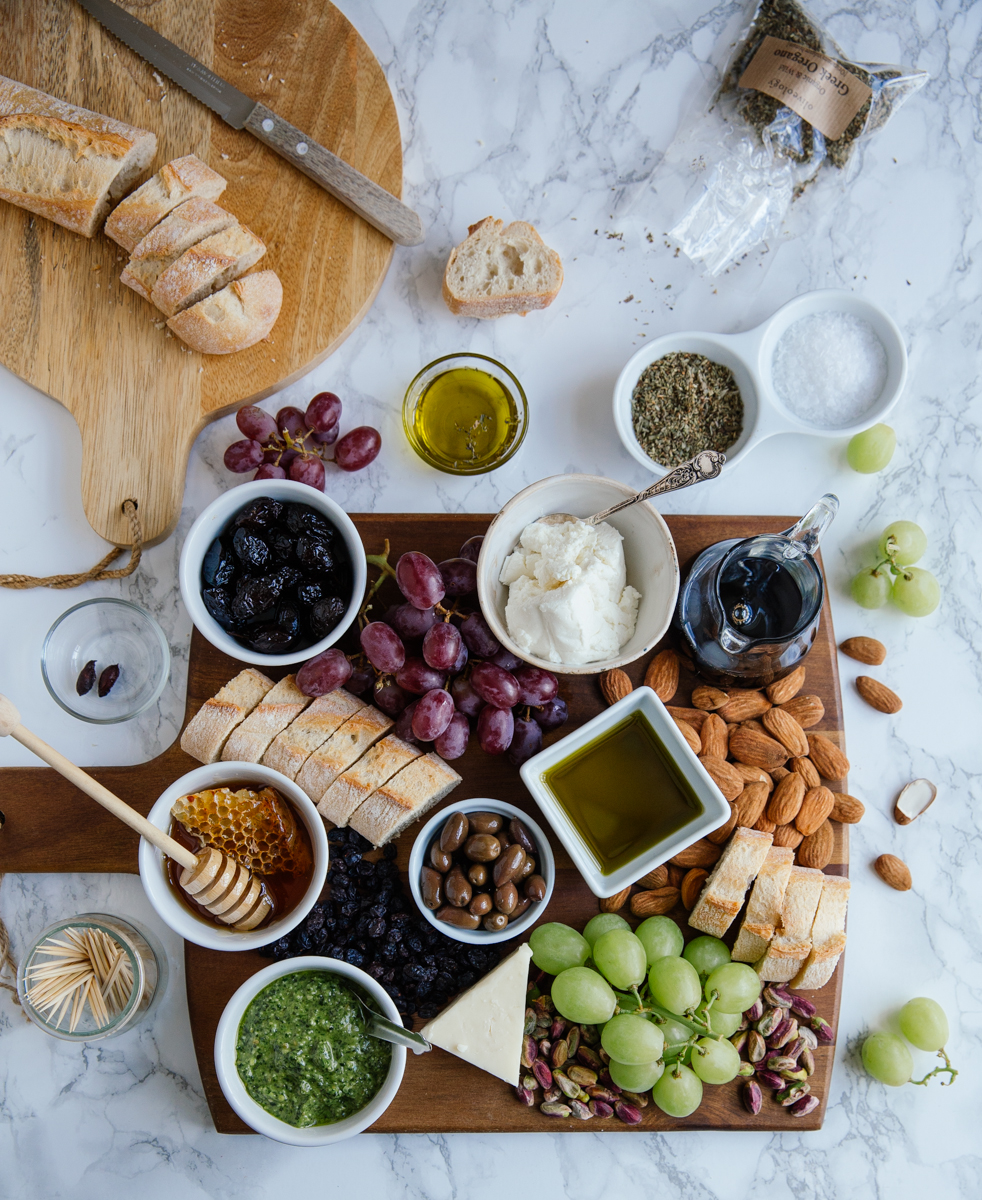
x,y
781,1031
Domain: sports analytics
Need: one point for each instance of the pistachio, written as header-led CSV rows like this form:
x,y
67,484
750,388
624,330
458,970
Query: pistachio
x,y
581,1110
786,1032
598,1092
552,1095
604,1056
823,1030
583,1076
802,1107
628,1113
565,1084
530,1051
769,1021
795,1075
756,1046
608,1083
543,1022
589,1058
589,1034
807,1035
530,1082
755,1011
768,1078
525,1095
544,1004
555,1110
780,1062
529,1021
638,1099
746,1070
739,1040
573,1040
601,1109
794,1049
807,1062
752,1096
803,1007
772,996
542,1073
792,1094
545,1048
559,1053
558,1028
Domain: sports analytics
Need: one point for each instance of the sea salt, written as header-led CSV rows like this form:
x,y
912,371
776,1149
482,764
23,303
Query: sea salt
x,y
829,368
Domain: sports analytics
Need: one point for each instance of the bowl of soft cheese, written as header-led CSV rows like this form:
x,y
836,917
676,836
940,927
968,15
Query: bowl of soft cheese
x,y
575,598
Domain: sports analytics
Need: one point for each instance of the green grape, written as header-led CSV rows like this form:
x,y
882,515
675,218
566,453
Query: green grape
x,y
632,1040
871,588
635,1078
583,996
661,938
706,953
676,1036
715,1062
679,1092
674,984
916,592
907,541
603,923
924,1024
619,956
723,1023
871,450
557,947
628,1002
886,1058
738,986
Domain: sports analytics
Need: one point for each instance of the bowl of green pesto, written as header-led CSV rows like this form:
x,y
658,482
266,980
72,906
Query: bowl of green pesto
x,y
293,1055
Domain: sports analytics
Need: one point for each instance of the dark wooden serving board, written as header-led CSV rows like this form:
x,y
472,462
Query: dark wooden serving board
x,y
440,1094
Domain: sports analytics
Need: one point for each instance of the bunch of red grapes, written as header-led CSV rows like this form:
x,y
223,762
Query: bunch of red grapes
x,y
292,445
440,671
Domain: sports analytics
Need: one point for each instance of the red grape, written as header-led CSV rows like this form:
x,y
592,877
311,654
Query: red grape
x,y
269,471
326,439
526,742
551,715
419,580
478,638
495,685
403,727
461,660
433,714
465,698
324,673
291,420
442,645
358,448
279,458
390,698
495,729
453,741
417,677
383,646
505,659
361,681
243,456
323,412
409,622
255,423
537,686
309,471
472,548
459,576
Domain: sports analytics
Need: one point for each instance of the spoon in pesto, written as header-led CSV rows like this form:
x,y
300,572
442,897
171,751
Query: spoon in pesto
x,y
387,1031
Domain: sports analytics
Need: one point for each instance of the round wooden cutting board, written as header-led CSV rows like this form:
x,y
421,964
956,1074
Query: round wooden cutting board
x,y
72,330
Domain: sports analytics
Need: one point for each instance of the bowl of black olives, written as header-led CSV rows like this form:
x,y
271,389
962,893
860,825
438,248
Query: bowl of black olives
x,y
273,572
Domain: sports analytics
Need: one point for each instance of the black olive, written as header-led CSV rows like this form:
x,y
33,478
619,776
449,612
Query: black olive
x,y
260,514
315,554
252,597
270,639
210,563
288,619
252,551
282,544
219,605
325,615
308,594
302,519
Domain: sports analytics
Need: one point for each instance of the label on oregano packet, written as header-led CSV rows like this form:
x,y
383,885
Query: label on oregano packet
x,y
814,86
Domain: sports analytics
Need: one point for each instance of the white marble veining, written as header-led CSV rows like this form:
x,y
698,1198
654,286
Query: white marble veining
x,y
557,112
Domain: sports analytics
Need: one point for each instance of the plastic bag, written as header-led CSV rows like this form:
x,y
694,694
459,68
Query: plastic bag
x,y
737,168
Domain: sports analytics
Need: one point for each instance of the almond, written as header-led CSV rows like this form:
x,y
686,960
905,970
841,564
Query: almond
x,y
816,806
695,716
690,735
916,798
785,728
816,849
865,650
753,775
722,832
806,710
723,775
700,854
757,749
779,773
846,809
750,804
894,871
788,835
708,698
786,799
616,902
656,903
744,704
715,740
787,687
806,769
763,825
662,675
692,885
654,879
615,685
877,695
676,875
827,757
753,724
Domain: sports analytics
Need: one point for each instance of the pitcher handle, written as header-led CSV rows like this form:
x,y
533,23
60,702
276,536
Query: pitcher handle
x,y
804,536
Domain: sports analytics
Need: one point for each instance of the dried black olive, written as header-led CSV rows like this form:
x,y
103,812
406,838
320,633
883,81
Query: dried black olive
x,y
86,678
302,519
108,679
252,597
288,619
308,594
219,605
260,514
252,551
315,554
270,639
281,543
325,615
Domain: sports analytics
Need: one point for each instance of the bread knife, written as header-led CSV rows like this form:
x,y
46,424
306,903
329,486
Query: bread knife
x,y
361,194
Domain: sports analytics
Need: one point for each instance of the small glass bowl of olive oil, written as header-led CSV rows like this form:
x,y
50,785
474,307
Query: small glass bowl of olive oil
x,y
465,414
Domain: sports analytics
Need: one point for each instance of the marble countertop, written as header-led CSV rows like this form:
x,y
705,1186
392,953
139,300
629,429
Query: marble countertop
x,y
558,112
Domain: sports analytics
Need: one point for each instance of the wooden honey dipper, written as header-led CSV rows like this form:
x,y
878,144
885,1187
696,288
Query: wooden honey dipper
x,y
215,880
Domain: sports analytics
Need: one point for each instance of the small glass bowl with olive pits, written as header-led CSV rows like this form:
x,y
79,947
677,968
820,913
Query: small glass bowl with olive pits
x,y
482,871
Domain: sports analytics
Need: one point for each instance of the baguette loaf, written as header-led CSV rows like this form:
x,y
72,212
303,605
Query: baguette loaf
x,y
373,769
342,750
792,944
205,267
214,721
64,162
764,906
235,318
189,223
723,892
500,269
177,181
828,935
406,797
276,710
290,749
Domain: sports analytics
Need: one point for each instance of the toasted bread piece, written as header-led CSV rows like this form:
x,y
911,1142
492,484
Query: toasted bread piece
x,y
354,787
290,749
276,710
342,750
205,267
828,935
404,799
235,318
723,892
175,182
792,943
499,269
190,222
764,906
211,725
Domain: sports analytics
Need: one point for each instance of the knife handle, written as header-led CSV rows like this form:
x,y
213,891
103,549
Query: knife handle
x,y
334,175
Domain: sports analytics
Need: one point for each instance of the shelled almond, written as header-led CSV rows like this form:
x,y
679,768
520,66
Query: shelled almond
x,y
815,808
656,903
692,738
742,705
615,903
782,726
816,849
615,685
877,695
847,809
708,698
786,799
784,689
806,710
894,871
662,675
692,885
715,740
865,650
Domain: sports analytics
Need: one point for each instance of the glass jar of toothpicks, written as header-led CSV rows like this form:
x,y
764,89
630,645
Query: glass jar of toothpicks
x,y
91,977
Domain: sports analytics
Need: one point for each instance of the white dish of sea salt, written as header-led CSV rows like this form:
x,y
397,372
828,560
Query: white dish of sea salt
x,y
751,358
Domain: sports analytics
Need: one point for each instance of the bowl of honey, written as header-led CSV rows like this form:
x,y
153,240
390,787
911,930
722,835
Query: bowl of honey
x,y
269,833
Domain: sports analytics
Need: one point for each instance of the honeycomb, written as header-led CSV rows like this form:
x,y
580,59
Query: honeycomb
x,y
258,829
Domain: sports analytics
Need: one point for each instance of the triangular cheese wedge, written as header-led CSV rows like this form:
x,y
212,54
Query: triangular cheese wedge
x,y
485,1024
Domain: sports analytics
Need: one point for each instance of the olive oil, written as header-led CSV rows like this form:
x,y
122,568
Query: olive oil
x,y
623,793
466,419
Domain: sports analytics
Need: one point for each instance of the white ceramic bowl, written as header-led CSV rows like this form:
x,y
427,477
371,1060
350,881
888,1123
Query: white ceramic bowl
x,y
749,356
545,863
254,1115
715,808
153,871
649,555
211,523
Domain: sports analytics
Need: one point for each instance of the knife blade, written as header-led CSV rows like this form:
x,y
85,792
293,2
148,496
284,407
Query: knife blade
x,y
361,194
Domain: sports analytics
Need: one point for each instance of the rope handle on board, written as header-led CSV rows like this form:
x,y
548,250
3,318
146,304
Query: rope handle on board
x,y
94,574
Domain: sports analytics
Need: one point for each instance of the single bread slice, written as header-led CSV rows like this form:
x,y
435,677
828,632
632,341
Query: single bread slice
x,y
722,895
207,266
499,269
64,162
764,906
792,943
407,795
177,181
828,935
373,769
190,222
290,749
233,319
211,725
271,716
342,750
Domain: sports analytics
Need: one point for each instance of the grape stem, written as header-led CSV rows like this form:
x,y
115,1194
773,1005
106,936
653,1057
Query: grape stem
x,y
382,562
947,1068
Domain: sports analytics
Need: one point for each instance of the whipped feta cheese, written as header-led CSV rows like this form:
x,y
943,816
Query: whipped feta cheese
x,y
568,597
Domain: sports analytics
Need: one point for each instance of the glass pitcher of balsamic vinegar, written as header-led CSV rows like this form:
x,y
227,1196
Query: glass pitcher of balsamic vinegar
x,y
749,610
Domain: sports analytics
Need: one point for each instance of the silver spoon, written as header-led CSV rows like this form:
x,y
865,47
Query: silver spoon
x,y
707,464
387,1031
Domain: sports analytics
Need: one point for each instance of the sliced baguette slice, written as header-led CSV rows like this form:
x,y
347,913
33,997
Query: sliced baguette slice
x,y
499,269
233,319
404,799
342,750
211,725
764,906
723,892
792,943
271,716
290,749
828,935
206,267
190,222
373,769
177,181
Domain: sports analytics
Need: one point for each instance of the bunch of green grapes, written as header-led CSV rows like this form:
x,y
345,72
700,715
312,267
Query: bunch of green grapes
x,y
664,1013
894,577
924,1024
